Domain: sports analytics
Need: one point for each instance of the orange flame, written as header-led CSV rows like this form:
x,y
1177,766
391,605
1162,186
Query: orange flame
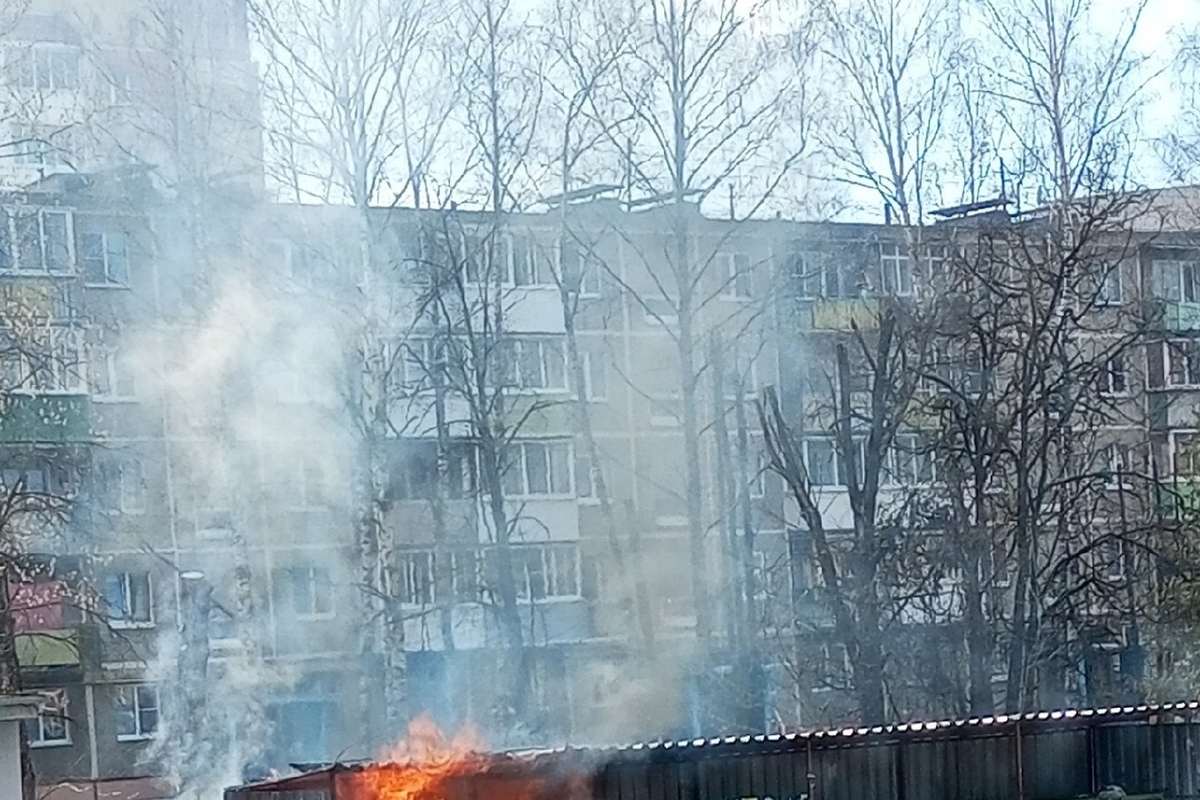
x,y
423,765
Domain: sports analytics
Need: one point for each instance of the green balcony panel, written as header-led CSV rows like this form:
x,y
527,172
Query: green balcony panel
x,y
45,418
846,315
1183,316
48,649
1180,497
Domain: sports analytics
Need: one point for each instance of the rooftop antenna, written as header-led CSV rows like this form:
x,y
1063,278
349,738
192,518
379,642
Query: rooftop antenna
x,y
731,214
1003,181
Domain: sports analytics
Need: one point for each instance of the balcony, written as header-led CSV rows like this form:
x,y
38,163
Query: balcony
x,y
48,648
1181,316
845,314
1180,496
47,418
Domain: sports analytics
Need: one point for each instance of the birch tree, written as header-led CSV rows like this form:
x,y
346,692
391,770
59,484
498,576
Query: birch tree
x,y
354,117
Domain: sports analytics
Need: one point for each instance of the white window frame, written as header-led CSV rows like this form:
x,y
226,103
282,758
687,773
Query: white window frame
x,y
54,707
109,357
835,462
502,241
126,622
1116,371
907,462
312,574
1110,281
140,734
65,370
545,352
38,147
131,486
414,564
1118,461
41,71
897,273
523,448
591,362
1179,438
541,260
738,268
1184,279
17,261
550,553
1191,353
590,267
109,281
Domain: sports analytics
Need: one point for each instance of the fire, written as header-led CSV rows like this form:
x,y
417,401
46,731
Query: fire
x,y
423,765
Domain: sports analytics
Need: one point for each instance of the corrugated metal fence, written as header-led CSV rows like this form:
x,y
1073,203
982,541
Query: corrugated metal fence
x,y
1149,750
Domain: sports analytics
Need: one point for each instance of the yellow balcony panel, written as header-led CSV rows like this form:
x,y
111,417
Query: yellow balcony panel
x,y
846,314
48,648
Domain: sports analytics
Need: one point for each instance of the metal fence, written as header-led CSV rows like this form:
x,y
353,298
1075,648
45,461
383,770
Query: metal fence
x,y
1148,750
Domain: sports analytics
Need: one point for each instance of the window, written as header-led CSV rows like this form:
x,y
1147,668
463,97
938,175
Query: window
x,y
738,277
413,475
911,461
52,726
312,592
128,601
758,472
897,277
532,262
121,486
1114,381
36,241
538,469
580,268
585,487
104,258
42,66
820,459
547,571
826,466
1110,291
112,374
1113,555
595,377
417,578
805,279
42,146
28,480
121,87
1182,362
1115,462
488,258
137,712
311,484
536,364
1186,455
1178,281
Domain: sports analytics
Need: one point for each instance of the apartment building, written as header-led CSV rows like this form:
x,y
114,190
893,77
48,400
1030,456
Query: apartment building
x,y
215,431
202,407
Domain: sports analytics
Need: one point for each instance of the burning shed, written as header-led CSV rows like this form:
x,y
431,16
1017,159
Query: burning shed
x,y
1149,751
